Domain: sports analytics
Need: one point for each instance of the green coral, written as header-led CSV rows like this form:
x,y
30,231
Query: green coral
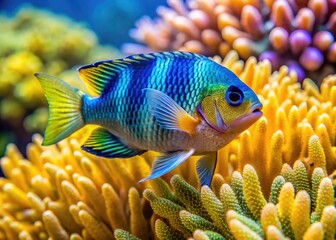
x,y
269,217
277,184
317,177
122,235
164,231
301,181
229,199
204,215
252,191
166,209
286,200
300,214
237,184
188,196
193,222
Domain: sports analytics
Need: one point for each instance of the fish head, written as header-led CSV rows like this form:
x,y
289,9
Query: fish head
x,y
229,108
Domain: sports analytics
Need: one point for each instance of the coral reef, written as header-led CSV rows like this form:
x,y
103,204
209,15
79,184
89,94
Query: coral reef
x,y
222,213
61,192
35,41
300,34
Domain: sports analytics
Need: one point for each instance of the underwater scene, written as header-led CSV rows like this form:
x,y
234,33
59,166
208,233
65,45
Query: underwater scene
x,y
168,119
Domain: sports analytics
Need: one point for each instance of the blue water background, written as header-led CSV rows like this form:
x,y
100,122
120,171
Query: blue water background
x,y
111,20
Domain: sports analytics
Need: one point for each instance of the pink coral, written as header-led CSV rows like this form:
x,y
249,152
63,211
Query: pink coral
x,y
300,34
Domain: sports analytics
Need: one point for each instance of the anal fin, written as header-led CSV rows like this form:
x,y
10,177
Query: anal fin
x,y
104,144
206,168
167,162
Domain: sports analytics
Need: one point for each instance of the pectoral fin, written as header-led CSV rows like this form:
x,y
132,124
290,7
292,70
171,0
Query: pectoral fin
x,y
206,168
168,162
168,113
104,144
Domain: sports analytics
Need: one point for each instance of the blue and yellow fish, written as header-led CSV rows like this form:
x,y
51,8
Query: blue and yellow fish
x,y
176,103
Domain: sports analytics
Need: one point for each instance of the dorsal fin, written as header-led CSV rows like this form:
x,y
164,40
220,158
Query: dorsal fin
x,y
98,75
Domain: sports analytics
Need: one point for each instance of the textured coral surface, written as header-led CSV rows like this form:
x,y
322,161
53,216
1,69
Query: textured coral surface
x,y
239,210
300,34
275,180
62,193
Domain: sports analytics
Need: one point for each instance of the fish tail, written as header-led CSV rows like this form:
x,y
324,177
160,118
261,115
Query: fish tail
x,y
65,108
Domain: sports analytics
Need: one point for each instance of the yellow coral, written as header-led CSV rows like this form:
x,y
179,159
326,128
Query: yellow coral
x,y
315,231
329,222
241,231
269,217
114,208
138,222
303,128
300,216
53,226
64,192
273,233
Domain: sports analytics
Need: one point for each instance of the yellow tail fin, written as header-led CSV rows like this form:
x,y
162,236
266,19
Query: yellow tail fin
x,y
65,108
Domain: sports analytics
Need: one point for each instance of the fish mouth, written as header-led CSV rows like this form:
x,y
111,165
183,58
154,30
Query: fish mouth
x,y
240,124
244,122
256,108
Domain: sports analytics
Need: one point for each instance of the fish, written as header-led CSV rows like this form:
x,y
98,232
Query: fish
x,y
179,104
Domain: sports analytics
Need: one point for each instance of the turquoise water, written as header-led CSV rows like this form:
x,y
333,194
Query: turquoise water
x,y
110,19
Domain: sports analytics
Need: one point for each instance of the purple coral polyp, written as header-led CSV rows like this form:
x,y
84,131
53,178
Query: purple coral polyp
x,y
299,40
311,59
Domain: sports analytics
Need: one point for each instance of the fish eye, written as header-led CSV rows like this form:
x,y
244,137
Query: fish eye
x,y
234,96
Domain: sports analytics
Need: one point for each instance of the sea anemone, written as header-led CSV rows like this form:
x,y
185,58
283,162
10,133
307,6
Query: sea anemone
x,y
300,34
63,192
34,41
